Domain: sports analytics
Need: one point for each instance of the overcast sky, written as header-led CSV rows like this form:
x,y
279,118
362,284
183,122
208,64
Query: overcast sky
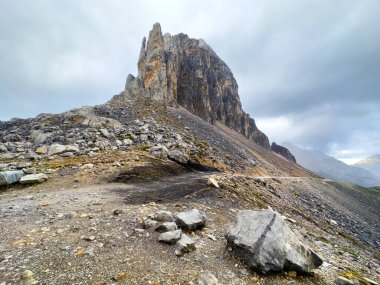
x,y
308,71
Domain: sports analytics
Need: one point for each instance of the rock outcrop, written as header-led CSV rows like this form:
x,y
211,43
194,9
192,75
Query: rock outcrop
x,y
264,241
283,151
182,71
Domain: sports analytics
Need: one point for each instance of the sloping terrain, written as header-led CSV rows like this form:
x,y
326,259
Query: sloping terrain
x,y
332,168
66,230
81,192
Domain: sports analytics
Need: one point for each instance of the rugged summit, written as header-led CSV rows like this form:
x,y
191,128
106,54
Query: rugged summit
x,y
182,71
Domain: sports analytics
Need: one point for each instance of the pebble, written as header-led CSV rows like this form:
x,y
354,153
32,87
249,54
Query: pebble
x,y
89,238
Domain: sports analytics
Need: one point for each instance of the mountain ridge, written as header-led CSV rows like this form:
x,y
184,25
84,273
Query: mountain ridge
x,y
371,163
329,167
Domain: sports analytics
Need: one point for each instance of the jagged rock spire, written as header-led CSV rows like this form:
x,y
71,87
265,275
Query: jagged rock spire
x,y
152,65
182,71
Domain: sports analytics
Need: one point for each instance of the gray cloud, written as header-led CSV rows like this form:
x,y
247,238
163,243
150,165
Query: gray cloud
x,y
307,70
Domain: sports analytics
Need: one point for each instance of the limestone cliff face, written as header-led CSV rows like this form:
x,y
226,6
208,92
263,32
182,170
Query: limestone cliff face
x,y
182,71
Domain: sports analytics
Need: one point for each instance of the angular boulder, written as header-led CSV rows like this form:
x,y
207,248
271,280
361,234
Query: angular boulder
x,y
166,227
266,243
10,177
191,220
185,245
170,237
33,178
178,156
159,151
59,149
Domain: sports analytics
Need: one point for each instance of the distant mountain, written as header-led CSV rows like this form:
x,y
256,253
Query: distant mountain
x,y
332,168
371,163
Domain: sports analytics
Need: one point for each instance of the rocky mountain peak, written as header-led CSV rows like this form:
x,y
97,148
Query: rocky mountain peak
x,y
181,71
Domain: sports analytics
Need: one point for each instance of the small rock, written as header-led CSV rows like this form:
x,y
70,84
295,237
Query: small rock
x,y
147,224
127,142
166,227
179,156
117,212
87,166
370,281
33,178
185,245
211,237
27,274
104,133
159,151
116,164
31,170
41,150
170,237
212,182
89,238
191,220
207,278
164,216
59,149
343,281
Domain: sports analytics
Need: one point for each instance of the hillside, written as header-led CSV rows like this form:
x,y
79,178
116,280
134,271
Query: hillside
x,y
371,163
332,168
143,190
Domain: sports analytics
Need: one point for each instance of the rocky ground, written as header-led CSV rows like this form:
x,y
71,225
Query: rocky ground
x,y
110,168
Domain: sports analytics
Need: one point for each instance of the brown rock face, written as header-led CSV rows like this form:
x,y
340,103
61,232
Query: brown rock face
x,y
183,71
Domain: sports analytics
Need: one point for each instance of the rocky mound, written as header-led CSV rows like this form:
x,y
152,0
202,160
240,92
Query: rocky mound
x,y
182,71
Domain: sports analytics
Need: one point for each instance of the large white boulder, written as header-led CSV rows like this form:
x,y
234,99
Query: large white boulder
x,y
10,177
266,243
